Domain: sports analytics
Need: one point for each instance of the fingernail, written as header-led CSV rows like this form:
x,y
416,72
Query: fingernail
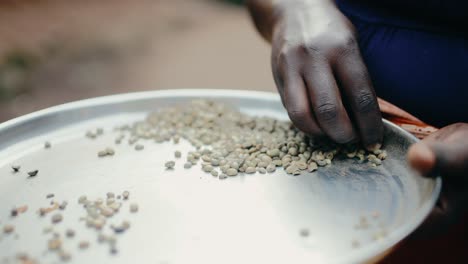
x,y
374,147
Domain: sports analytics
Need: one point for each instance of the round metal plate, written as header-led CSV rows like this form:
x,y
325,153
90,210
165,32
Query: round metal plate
x,y
188,216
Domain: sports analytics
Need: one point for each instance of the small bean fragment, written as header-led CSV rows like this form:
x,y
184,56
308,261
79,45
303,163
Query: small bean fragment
x,y
207,168
214,173
70,233
215,162
289,169
54,244
273,152
250,170
206,158
292,151
57,218
304,232
231,172
277,163
115,206
16,168
82,199
301,165
321,163
177,154
64,256
33,173
125,195
312,167
107,211
110,151
90,135
170,165
83,245
187,165
7,229
234,165
139,147
133,208
121,228
47,230
110,200
382,155
271,168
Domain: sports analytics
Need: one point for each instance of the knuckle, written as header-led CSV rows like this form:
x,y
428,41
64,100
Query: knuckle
x,y
309,49
347,45
284,57
297,114
365,102
327,112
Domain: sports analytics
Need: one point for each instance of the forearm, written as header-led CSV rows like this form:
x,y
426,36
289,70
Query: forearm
x,y
265,13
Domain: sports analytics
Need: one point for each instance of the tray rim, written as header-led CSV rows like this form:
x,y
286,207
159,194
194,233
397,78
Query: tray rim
x,y
360,255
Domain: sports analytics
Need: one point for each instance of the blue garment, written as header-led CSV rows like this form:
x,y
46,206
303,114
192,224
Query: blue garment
x,y
418,62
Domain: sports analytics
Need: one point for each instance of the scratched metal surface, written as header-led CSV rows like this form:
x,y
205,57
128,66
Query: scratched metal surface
x,y
188,216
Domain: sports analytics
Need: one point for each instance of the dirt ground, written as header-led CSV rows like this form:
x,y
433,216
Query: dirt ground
x,y
59,51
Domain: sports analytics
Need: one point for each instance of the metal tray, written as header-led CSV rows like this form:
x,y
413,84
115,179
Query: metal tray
x,y
188,216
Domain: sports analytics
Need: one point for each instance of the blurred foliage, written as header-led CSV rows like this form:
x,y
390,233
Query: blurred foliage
x,y
14,70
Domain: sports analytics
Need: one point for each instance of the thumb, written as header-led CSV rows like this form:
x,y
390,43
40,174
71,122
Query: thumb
x,y
422,158
448,159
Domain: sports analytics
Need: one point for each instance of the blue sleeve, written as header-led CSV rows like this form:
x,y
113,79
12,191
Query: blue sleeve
x,y
425,73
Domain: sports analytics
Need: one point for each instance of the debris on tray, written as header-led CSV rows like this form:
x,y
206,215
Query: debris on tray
x,y
16,168
47,145
8,229
93,134
45,210
33,173
169,165
106,152
304,232
18,210
57,218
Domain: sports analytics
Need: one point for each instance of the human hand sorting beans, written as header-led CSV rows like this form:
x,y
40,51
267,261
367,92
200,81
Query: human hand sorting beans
x,y
318,70
414,61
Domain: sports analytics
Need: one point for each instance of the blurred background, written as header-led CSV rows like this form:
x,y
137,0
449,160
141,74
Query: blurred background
x,y
57,51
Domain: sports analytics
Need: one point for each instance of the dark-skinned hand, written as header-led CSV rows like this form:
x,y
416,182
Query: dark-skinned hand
x,y
444,153
320,75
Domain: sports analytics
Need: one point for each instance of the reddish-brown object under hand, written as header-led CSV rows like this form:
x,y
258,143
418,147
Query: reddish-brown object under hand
x,y
405,120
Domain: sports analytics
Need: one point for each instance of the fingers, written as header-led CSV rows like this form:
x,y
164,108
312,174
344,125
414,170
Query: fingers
x,y
357,88
326,102
297,104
